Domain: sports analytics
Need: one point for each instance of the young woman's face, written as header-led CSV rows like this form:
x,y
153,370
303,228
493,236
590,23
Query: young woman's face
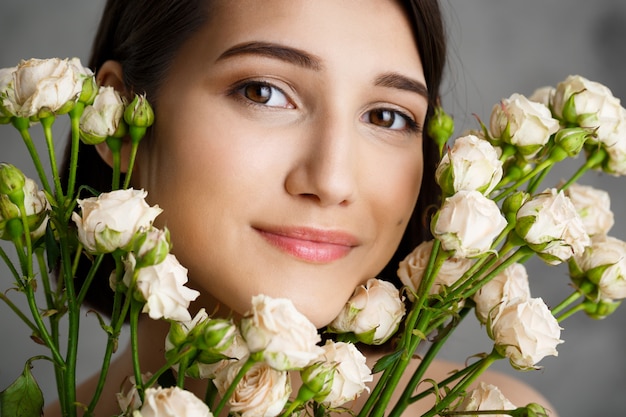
x,y
287,149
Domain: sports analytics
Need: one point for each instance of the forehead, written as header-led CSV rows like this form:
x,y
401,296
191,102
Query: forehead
x,y
374,34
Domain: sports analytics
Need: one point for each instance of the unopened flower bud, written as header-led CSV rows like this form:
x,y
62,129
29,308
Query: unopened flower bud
x,y
512,204
139,116
12,182
440,127
151,246
214,334
89,91
531,410
600,309
572,139
318,378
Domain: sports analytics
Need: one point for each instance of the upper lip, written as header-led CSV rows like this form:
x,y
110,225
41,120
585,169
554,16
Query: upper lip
x,y
313,234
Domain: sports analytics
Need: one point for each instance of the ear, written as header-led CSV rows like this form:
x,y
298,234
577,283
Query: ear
x,y
111,74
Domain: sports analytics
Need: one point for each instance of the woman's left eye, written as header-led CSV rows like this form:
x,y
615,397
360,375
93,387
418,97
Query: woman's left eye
x,y
264,94
390,119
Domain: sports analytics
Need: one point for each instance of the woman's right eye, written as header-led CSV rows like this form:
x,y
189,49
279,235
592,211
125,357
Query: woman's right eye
x,y
264,94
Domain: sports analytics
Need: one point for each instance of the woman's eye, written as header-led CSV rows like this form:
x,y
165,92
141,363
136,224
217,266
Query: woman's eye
x,y
390,119
265,94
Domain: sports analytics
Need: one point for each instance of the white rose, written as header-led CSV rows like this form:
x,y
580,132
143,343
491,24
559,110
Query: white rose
x,y
6,80
411,269
543,95
173,402
162,286
468,223
524,123
526,332
373,313
471,164
109,221
47,85
508,286
287,339
485,397
550,224
101,119
593,106
351,373
616,164
605,263
36,209
262,392
594,207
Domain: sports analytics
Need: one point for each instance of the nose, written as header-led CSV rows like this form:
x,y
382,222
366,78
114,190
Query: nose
x,y
326,171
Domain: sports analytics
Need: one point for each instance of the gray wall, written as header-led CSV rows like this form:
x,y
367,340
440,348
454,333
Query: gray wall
x,y
497,48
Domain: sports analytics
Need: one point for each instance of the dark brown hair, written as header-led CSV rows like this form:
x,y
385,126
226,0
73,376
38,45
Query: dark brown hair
x,y
144,36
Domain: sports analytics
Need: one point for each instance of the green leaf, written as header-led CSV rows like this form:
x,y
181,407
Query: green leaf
x,y
22,398
386,361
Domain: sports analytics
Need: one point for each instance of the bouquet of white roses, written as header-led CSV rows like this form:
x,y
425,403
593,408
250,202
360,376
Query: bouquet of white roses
x,y
493,216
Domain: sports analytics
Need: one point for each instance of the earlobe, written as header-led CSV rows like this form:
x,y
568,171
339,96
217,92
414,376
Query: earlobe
x,y
111,74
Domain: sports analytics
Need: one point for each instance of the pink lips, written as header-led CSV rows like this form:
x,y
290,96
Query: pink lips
x,y
312,245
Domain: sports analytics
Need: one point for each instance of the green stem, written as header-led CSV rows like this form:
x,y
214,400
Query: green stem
x,y
570,312
10,265
115,145
135,310
19,313
545,164
131,162
90,276
74,114
446,382
22,124
566,302
593,161
46,123
536,182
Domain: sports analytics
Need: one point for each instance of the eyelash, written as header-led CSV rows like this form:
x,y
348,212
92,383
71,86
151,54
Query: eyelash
x,y
412,127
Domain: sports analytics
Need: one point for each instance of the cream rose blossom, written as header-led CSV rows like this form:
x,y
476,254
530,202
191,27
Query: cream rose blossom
x,y
511,285
373,313
44,85
411,269
543,95
286,338
604,263
523,123
551,226
262,392
471,164
483,398
526,332
351,373
129,400
102,119
172,402
162,286
110,221
590,104
468,223
594,207
36,208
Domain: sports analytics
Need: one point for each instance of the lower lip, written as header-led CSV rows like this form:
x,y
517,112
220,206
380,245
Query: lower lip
x,y
307,250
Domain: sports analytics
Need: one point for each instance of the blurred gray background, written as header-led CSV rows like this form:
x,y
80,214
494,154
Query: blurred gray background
x,y
496,48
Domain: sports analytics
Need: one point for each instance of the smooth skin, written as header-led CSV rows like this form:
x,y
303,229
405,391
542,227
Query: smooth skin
x,y
286,155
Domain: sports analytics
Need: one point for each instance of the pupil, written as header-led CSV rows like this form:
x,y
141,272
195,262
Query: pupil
x,y
382,118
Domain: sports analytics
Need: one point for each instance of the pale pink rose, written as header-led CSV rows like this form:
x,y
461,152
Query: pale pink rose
x,y
36,209
44,85
511,285
604,262
262,392
351,373
471,164
411,269
468,223
551,226
594,106
102,118
543,95
523,123
111,220
373,313
162,286
286,337
485,397
526,332
130,400
173,402
594,207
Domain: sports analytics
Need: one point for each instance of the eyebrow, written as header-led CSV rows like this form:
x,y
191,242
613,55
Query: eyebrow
x,y
272,50
309,61
401,82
